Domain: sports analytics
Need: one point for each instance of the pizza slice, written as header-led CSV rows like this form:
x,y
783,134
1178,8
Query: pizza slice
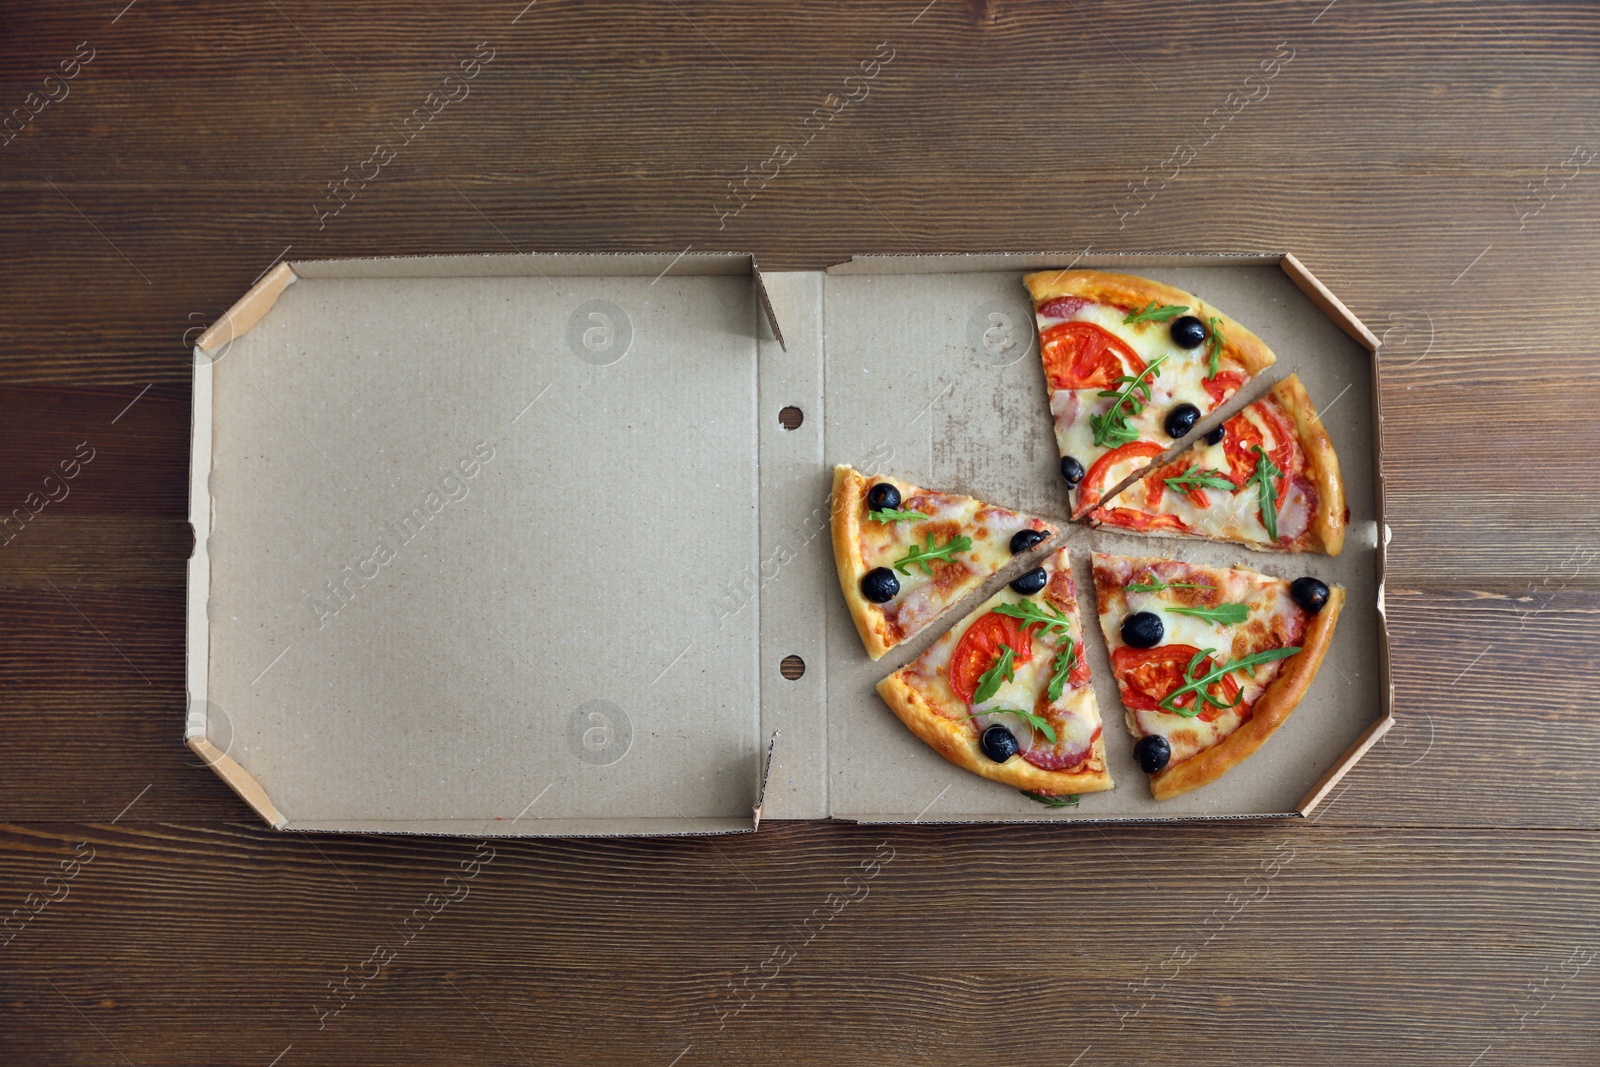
x,y
906,554
1210,661
1132,362
1005,693
1267,478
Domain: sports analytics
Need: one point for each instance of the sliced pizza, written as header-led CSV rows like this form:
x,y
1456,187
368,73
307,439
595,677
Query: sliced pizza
x,y
1209,661
1129,361
1267,478
1005,693
905,554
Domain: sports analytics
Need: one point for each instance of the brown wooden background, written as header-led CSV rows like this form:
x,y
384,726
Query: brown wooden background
x,y
1443,909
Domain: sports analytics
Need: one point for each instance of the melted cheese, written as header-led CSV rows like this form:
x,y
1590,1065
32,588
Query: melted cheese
x,y
1180,380
1268,600
1075,717
920,598
1228,516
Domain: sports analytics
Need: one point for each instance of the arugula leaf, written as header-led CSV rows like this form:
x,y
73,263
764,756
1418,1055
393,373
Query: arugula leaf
x,y
891,515
1038,722
1060,668
1266,492
1197,478
1159,586
1199,685
1216,345
919,556
989,681
1112,428
1031,612
1154,312
1227,614
1068,801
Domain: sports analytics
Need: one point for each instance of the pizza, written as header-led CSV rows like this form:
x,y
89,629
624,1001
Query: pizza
x,y
1267,478
1005,693
1129,361
1210,662
905,554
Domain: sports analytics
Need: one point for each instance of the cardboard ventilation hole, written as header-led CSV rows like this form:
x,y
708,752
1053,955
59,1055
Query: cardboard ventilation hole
x,y
515,545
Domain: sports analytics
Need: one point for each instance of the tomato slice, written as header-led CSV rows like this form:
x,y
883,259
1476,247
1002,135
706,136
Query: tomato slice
x,y
1239,445
980,646
1094,484
1224,385
1094,481
1149,675
1243,435
1081,355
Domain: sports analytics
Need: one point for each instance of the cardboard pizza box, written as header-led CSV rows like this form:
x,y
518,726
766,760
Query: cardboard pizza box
x,y
538,544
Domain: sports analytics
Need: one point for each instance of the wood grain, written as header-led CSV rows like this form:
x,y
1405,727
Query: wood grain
x,y
1439,909
664,943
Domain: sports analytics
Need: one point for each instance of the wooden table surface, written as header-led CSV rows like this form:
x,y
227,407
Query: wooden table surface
x,y
1437,164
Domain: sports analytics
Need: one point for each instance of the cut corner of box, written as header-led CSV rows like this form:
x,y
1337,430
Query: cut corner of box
x,y
238,779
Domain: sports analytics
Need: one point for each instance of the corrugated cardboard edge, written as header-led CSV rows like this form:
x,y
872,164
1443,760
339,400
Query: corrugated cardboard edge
x,y
761,786
1346,320
944,262
197,636
1327,303
1358,748
766,303
239,780
248,309
245,313
683,826
1035,820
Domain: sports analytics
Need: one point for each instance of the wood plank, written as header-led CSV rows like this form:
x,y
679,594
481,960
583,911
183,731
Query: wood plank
x,y
88,751
74,635
1274,945
153,303
1492,698
80,450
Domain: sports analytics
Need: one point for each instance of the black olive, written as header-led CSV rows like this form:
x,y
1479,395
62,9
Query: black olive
x,y
998,743
1031,582
1215,436
1152,753
1181,419
1188,332
879,585
1023,540
1309,593
882,497
1143,629
1071,470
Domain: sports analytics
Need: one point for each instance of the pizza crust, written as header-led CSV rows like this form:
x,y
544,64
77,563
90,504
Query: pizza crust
x,y
1325,533
1271,710
1127,290
958,743
849,495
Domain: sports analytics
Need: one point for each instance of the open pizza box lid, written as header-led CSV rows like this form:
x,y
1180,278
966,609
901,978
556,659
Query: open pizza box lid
x,y
537,544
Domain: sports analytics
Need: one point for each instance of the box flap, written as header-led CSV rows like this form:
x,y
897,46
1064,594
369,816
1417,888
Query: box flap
x,y
469,514
796,565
